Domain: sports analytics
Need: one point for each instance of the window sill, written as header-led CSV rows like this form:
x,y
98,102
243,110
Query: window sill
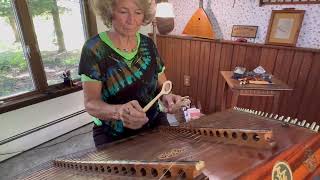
x,y
31,98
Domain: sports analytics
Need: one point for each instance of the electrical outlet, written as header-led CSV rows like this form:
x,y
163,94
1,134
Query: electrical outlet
x,y
186,80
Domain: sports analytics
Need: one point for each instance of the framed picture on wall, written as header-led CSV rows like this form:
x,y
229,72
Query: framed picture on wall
x,y
244,31
284,27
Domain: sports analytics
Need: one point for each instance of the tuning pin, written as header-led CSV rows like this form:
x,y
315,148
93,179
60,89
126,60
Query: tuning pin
x,y
313,125
266,115
316,129
303,122
287,119
270,116
299,123
307,125
281,118
294,121
275,117
262,113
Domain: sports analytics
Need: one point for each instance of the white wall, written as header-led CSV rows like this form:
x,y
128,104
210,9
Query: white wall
x,y
248,12
24,119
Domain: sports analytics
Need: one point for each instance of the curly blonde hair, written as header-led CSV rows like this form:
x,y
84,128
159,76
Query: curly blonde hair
x,y
104,9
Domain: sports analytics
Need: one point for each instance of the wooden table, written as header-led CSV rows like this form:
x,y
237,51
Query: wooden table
x,y
251,90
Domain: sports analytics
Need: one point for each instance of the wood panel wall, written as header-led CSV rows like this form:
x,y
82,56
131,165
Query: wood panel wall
x,y
203,59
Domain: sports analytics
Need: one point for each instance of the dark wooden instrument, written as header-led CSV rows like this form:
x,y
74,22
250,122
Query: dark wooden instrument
x,y
234,144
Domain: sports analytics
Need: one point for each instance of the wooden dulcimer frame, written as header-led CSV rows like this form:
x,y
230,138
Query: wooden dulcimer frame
x,y
137,169
235,144
243,137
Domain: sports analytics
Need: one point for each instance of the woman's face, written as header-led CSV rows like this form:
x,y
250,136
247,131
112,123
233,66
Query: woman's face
x,y
127,17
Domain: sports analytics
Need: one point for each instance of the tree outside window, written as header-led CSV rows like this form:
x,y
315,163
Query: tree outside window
x,y
59,31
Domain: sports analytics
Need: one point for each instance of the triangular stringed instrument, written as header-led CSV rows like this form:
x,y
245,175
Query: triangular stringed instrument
x,y
199,25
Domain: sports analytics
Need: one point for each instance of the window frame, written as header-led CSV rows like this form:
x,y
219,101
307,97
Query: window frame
x,y
42,91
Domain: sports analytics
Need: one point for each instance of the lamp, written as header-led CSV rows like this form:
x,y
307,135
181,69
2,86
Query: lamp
x,y
164,19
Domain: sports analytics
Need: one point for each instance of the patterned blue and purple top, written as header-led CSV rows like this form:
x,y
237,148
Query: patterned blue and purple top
x,y
124,76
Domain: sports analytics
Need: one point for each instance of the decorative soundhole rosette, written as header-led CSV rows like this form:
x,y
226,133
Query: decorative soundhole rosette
x,y
281,170
172,153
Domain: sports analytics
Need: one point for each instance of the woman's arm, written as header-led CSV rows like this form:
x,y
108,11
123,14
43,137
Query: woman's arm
x,y
168,100
130,113
94,105
161,79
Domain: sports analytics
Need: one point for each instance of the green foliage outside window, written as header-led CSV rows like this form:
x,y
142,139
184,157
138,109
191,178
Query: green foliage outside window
x,y
14,72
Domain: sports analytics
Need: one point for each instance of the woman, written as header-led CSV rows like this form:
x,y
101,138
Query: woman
x,y
121,72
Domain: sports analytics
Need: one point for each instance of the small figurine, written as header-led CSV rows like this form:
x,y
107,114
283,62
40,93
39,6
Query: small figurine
x,y
67,80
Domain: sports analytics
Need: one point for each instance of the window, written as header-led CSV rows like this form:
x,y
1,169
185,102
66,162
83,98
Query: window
x,y
59,30
15,76
40,39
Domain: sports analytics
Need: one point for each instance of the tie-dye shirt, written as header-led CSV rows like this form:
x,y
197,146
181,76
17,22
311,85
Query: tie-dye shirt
x,y
123,80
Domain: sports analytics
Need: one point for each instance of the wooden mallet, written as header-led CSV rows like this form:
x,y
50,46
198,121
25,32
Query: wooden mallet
x,y
166,89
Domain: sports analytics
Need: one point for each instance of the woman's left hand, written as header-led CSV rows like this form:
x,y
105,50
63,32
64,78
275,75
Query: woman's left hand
x,y
169,101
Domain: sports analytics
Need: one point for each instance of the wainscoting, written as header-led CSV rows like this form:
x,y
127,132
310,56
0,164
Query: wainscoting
x,y
203,59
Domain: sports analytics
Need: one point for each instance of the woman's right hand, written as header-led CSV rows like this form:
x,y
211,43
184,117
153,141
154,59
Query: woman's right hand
x,y
132,115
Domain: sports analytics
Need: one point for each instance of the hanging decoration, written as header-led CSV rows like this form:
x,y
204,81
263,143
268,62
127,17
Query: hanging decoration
x,y
199,25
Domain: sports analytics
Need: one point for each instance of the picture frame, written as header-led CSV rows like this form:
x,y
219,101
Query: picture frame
x,y
284,27
244,31
285,2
